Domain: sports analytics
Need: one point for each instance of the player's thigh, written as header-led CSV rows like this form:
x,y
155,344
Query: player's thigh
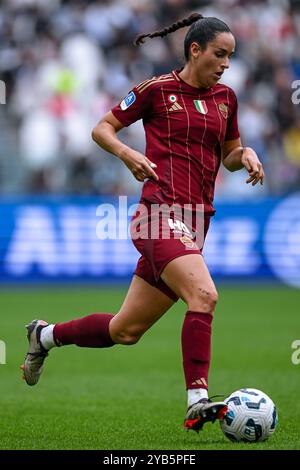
x,y
189,277
142,307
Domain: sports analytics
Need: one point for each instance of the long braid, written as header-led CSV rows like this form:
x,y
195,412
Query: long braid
x,y
170,29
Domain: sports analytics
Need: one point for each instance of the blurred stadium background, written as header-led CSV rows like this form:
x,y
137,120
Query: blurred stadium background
x,y
64,64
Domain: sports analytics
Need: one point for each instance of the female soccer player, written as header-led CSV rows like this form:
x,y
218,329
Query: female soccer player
x,y
191,126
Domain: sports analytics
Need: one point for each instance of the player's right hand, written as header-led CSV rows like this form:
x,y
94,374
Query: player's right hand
x,y
139,165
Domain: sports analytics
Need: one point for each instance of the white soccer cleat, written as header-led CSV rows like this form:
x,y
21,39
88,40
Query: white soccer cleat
x,y
34,359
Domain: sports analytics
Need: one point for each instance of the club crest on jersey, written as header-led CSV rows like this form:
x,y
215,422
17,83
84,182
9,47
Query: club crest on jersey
x,y
223,108
201,106
128,101
175,105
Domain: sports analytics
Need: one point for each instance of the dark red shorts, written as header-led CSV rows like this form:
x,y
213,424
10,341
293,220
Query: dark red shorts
x,y
157,251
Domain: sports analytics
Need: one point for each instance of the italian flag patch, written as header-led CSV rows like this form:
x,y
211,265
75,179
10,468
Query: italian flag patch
x,y
201,106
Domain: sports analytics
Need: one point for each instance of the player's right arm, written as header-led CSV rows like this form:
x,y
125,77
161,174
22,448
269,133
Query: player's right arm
x,y
105,135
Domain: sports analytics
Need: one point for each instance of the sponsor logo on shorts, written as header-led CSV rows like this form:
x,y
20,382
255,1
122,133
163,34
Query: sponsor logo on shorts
x,y
187,241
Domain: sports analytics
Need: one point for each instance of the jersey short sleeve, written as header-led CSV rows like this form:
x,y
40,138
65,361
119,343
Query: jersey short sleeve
x,y
232,131
136,105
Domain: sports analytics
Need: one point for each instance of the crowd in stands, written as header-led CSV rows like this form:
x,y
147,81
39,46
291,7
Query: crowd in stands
x,y
65,63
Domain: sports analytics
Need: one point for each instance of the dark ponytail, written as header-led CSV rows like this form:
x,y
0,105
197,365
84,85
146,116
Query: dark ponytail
x,y
202,31
170,29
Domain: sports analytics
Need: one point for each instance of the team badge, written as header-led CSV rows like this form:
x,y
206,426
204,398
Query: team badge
x,y
201,106
187,241
128,101
223,108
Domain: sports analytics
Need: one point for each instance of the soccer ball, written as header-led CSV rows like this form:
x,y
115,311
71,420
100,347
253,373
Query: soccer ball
x,y
251,416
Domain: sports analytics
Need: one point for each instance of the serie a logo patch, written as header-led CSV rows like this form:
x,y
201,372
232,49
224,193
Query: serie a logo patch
x,y
128,101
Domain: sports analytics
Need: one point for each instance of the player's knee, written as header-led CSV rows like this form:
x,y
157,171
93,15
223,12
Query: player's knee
x,y
203,300
127,337
129,340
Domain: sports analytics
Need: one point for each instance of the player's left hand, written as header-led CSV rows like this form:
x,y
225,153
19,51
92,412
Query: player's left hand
x,y
254,167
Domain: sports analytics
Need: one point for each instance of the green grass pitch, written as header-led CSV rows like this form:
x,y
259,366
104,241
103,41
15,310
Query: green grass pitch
x,y
134,397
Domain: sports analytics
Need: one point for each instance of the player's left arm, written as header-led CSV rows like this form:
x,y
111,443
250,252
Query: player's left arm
x,y
235,157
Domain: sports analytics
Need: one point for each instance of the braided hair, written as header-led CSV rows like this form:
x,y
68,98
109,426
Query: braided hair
x,y
202,30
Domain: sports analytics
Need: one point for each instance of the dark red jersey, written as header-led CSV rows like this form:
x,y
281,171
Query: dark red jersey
x,y
185,128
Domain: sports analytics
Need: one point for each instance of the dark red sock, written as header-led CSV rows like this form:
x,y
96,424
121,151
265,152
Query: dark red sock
x,y
90,332
196,341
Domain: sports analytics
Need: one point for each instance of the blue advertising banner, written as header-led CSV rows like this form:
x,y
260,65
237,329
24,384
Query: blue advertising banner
x,y
86,239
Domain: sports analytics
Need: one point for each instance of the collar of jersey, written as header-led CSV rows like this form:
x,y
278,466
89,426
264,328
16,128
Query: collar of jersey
x,y
195,89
